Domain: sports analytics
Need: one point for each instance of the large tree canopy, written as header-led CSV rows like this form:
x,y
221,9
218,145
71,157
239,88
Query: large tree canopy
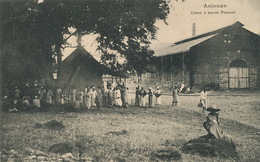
x,y
36,30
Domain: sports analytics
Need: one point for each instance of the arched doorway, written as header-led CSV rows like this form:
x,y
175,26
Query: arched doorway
x,y
238,74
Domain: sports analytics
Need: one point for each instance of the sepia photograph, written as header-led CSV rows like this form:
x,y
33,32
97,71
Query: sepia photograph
x,y
130,80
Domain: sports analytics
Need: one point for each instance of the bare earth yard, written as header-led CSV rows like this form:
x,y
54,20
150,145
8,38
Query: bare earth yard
x,y
146,129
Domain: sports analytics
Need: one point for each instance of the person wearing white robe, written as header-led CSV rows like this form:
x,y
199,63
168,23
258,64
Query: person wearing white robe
x,y
118,99
158,95
203,99
87,98
49,97
93,95
142,94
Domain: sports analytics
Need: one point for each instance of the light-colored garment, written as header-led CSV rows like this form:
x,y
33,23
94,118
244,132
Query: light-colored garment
x,y
212,126
25,102
37,102
87,99
142,94
142,101
93,95
127,99
99,98
203,99
158,98
175,95
49,97
81,98
118,101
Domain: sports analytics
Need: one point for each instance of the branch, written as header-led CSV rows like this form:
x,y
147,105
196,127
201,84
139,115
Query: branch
x,y
70,36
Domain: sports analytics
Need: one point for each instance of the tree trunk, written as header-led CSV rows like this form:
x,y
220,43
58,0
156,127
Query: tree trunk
x,y
59,61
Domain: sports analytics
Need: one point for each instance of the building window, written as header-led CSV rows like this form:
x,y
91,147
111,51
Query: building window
x,y
227,38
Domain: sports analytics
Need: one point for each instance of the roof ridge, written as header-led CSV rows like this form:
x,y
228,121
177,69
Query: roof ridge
x,y
207,33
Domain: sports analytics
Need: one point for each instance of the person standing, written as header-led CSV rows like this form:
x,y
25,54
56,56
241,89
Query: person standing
x,y
93,95
175,96
158,95
151,97
142,94
58,96
137,96
81,99
118,100
127,100
49,97
87,99
110,96
99,97
203,99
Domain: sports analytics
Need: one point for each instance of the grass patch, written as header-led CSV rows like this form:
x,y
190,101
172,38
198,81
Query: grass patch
x,y
101,135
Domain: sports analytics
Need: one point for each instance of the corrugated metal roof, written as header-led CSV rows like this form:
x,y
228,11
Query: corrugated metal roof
x,y
180,48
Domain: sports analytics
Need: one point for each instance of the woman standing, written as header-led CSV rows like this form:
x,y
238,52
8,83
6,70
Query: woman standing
x,y
175,96
87,99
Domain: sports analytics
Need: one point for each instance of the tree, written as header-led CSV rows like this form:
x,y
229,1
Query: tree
x,y
122,26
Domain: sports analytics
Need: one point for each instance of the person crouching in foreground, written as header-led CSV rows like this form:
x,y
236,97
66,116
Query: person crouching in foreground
x,y
211,124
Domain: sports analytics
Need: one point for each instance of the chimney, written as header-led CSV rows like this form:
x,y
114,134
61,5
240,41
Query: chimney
x,y
193,29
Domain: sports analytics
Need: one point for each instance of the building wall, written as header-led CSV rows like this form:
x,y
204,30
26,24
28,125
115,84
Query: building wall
x,y
212,59
79,78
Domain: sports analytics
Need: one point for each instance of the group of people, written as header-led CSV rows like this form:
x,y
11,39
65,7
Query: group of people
x,y
24,96
154,97
18,97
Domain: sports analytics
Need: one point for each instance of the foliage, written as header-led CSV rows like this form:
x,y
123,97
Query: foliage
x,y
36,30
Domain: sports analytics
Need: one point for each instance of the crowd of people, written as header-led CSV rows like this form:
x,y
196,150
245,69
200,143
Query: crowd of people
x,y
34,96
24,96
27,96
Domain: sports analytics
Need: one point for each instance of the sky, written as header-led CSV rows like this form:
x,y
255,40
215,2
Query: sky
x,y
183,14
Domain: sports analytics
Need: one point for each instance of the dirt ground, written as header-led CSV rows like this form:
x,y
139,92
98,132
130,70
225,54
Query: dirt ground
x,y
146,129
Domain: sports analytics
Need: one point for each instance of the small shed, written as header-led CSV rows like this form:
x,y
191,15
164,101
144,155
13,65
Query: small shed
x,y
81,69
